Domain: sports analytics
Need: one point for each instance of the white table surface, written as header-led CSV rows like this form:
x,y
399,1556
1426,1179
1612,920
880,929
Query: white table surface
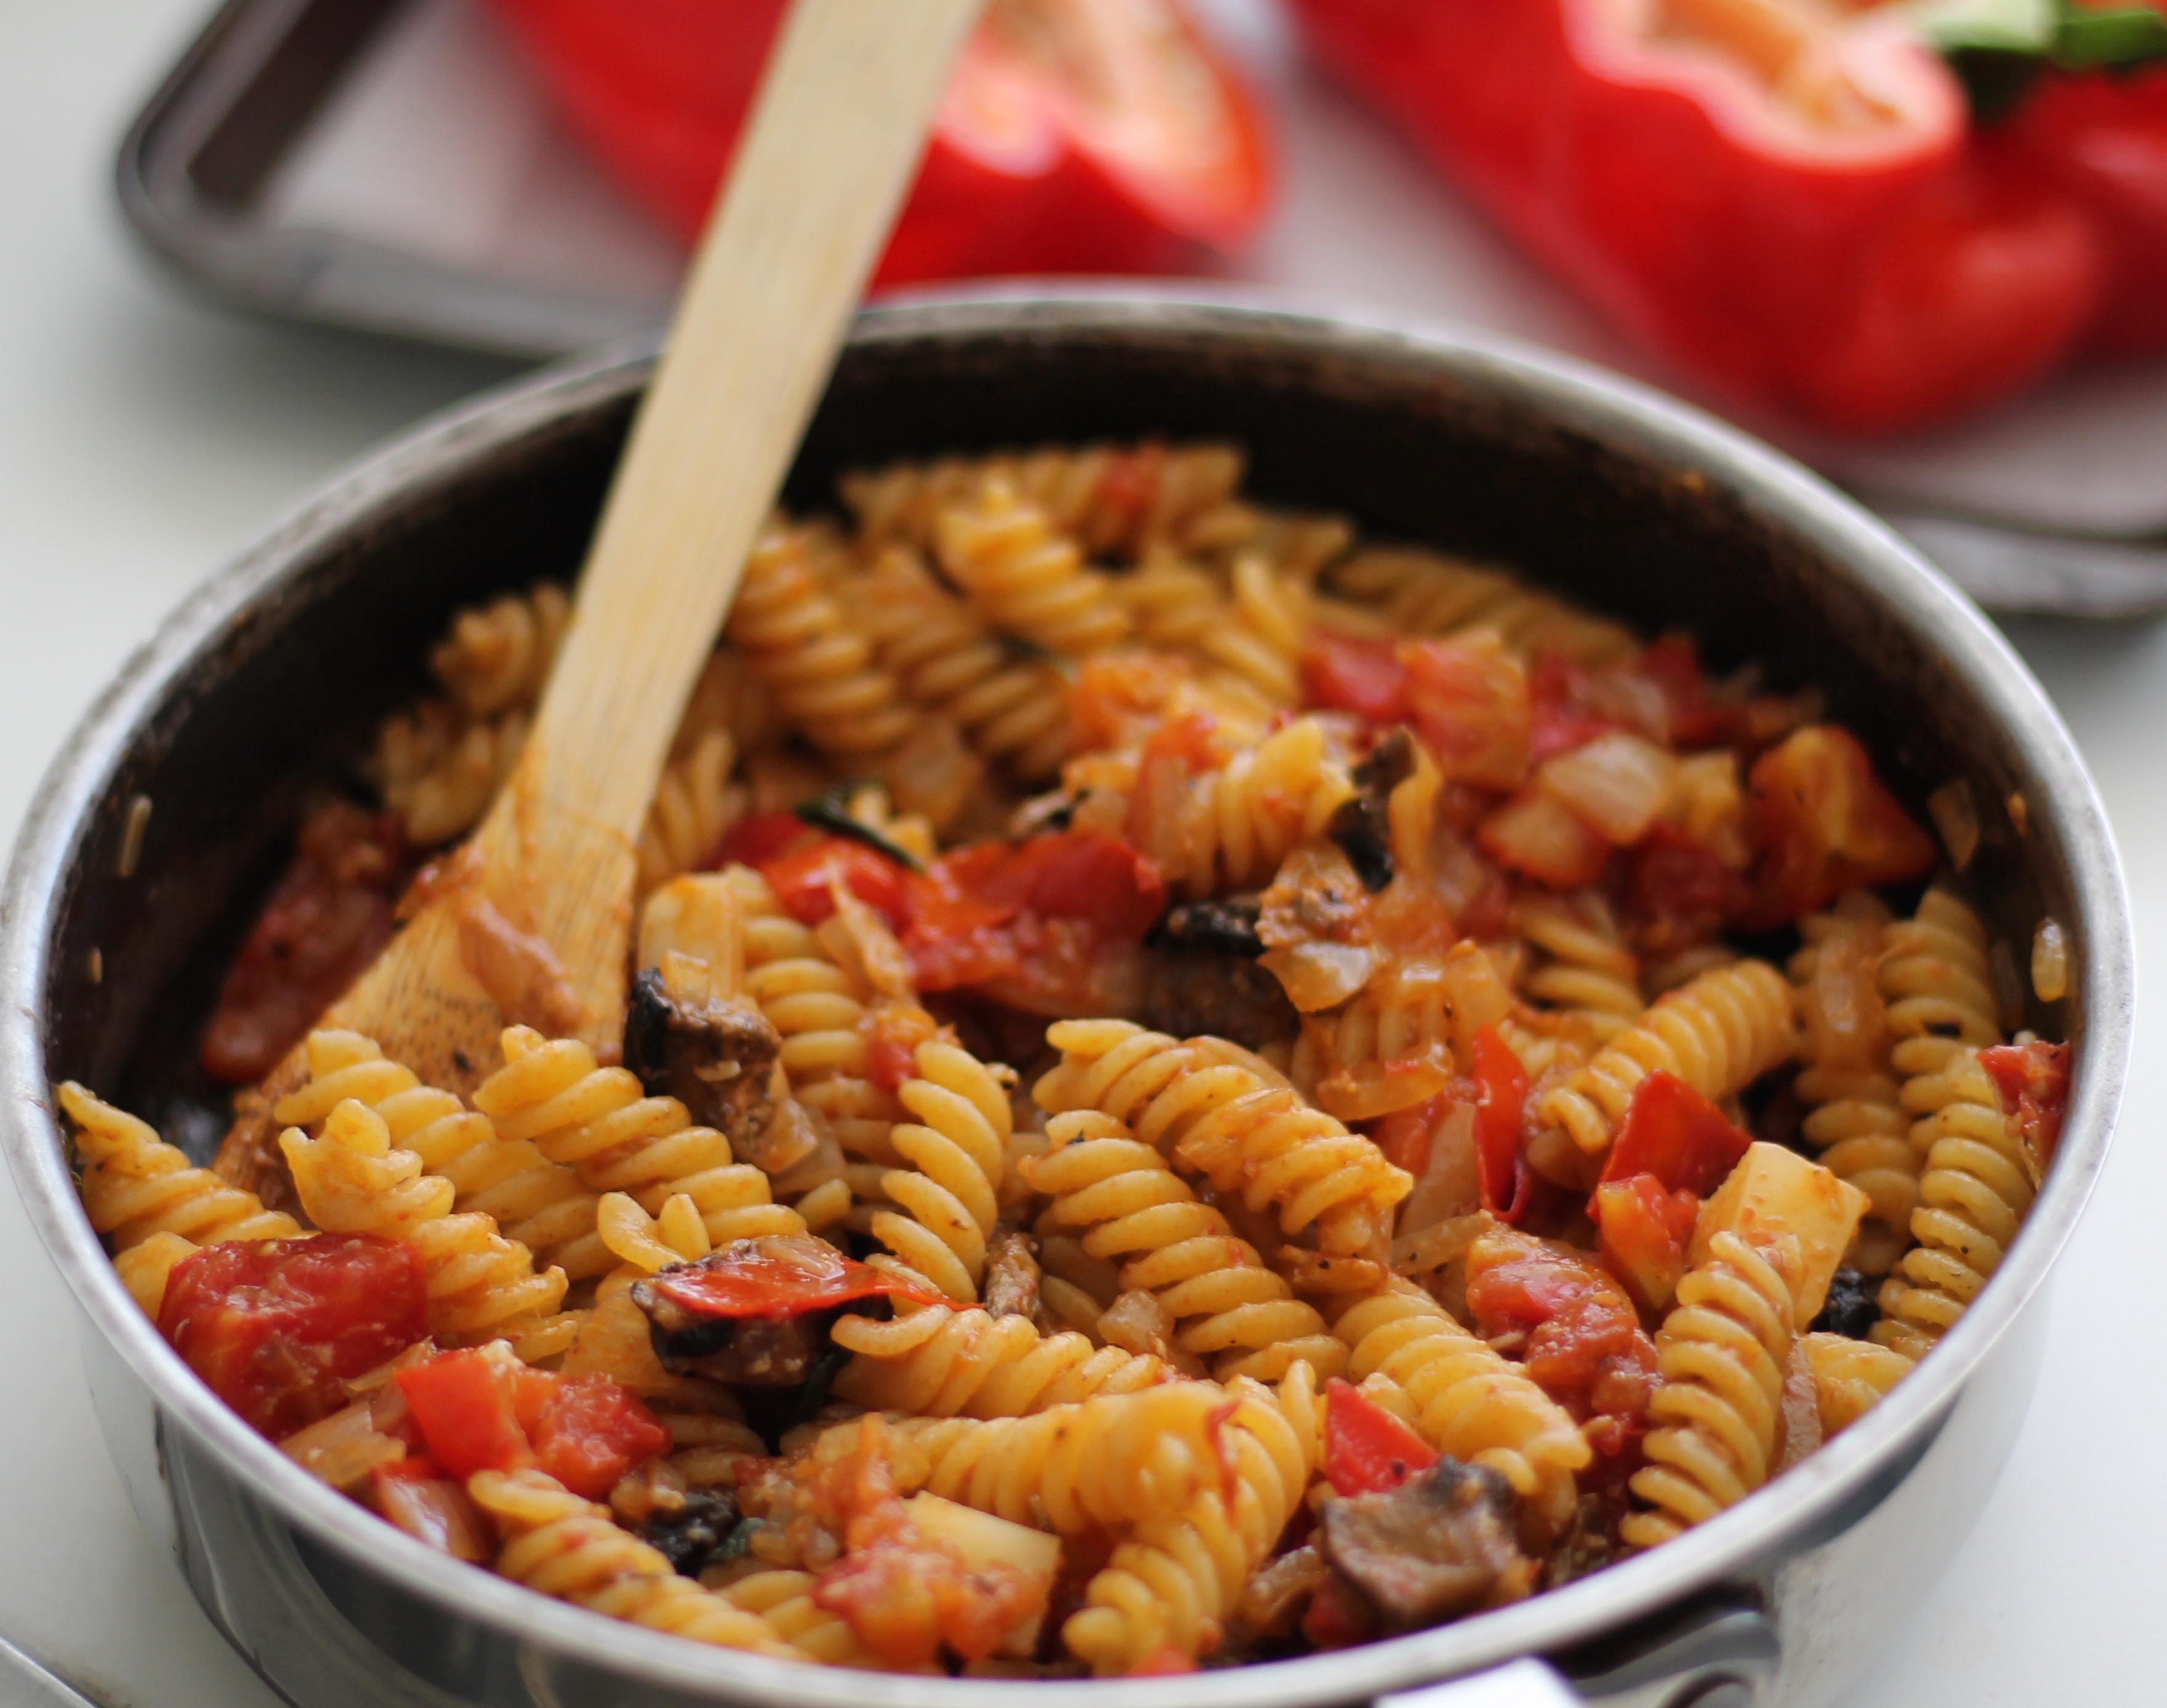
x,y
143,439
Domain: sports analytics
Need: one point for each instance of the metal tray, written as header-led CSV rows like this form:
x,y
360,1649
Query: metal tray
x,y
389,165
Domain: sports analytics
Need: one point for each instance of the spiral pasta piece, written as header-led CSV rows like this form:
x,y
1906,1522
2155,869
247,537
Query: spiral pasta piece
x,y
819,1010
942,1364
1719,1034
1935,977
1112,499
349,1180
153,1206
438,776
1854,1117
1226,1116
1227,1305
695,805
957,1149
1721,1352
1097,1465
1233,828
1173,1581
540,1204
569,1548
1025,576
595,1120
1424,593
497,656
1466,1400
1586,968
785,1600
813,658
1973,1199
1011,709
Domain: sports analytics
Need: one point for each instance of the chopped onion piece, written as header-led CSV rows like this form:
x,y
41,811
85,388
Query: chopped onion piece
x,y
1532,833
2050,961
1321,975
1616,784
1958,820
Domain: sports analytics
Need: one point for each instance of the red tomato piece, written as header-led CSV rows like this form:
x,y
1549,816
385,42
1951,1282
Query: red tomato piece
x,y
802,879
1366,1449
1673,1132
1585,1345
1646,1229
763,837
1682,885
1560,710
1500,1098
277,1328
466,1408
782,1275
1826,824
1345,673
1470,703
2033,1081
591,1431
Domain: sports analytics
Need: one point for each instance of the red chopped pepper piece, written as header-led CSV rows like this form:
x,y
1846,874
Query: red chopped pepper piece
x,y
802,880
1826,824
1674,1133
1368,1451
1500,1098
591,1431
752,1279
2033,1079
1074,137
277,1328
1787,198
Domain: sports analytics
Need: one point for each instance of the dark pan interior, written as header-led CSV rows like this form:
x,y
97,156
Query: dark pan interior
x,y
285,699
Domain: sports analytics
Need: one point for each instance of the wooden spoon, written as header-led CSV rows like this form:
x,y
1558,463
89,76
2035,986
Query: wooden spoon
x,y
531,921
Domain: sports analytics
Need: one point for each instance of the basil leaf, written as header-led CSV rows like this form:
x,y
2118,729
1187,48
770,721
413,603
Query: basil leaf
x,y
830,812
2089,40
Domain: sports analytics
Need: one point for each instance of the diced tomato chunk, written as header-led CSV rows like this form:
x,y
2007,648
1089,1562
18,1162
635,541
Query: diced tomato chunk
x,y
1470,705
591,1431
466,1407
2033,1079
764,836
803,879
1682,887
1673,1132
1346,673
1561,716
1826,824
1584,1345
278,1326
1366,1449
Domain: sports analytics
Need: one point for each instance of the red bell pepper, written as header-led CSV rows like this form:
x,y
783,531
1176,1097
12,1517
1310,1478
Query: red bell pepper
x,y
1075,136
2033,1079
1367,1451
778,1276
1645,1231
1781,197
1673,1132
1507,1182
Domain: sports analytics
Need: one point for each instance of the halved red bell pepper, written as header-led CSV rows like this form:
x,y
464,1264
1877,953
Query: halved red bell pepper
x,y
1507,1183
1776,195
1077,135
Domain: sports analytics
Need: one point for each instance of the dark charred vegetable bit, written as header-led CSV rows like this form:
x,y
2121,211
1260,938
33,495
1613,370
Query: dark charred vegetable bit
x,y
690,1535
1012,1274
1203,976
1853,1307
1440,1544
1588,1545
831,812
757,1311
1362,827
716,1058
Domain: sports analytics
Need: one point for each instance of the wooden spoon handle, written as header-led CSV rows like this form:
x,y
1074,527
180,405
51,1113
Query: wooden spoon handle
x,y
828,154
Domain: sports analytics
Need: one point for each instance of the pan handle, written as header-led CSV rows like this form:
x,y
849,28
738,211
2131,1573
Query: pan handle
x,y
1721,1655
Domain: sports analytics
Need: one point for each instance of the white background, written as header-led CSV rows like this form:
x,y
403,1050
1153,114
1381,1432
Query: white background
x,y
144,440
